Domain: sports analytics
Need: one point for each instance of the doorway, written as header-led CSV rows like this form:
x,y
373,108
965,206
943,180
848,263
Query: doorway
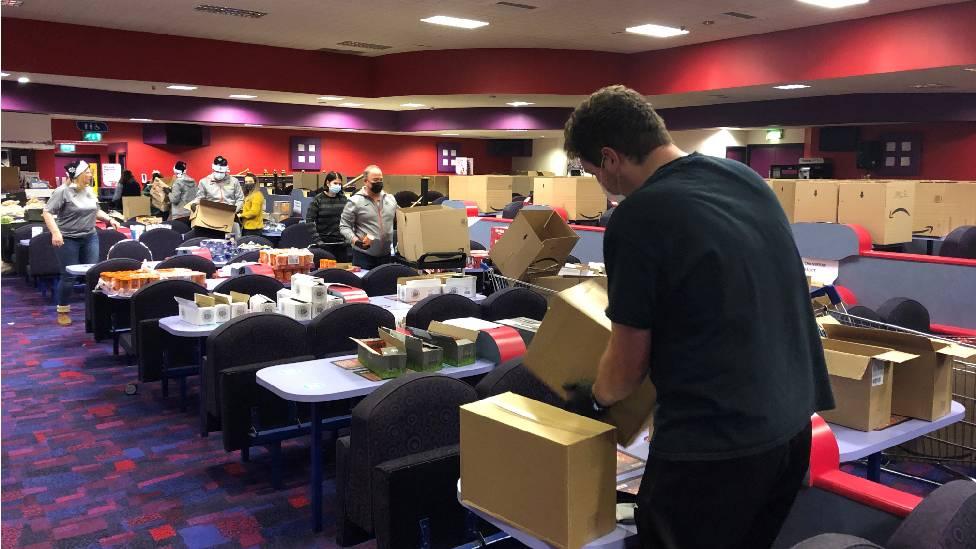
x,y
761,157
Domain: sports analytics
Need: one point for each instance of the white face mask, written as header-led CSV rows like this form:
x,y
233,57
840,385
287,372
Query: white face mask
x,y
219,176
335,189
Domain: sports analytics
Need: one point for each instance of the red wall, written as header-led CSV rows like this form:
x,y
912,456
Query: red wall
x,y
948,150
258,149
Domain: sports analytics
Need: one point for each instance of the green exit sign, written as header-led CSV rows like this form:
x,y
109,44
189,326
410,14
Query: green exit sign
x,y
67,147
91,136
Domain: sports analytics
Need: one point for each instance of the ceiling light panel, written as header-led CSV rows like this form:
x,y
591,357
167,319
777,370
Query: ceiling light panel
x,y
834,4
791,87
226,10
457,22
330,98
181,87
140,119
516,5
241,96
413,105
657,31
350,104
519,104
364,45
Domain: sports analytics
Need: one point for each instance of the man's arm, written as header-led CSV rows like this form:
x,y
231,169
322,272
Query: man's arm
x,y
347,223
624,364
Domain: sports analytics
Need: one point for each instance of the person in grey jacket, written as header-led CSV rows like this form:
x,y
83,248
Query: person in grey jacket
x,y
367,221
220,186
184,191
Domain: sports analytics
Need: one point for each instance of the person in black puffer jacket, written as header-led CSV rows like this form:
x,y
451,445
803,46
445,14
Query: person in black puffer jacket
x,y
323,216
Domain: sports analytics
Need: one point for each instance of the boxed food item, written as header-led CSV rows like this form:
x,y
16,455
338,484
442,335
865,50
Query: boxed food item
x,y
493,342
421,356
459,284
807,200
457,351
348,294
490,192
309,288
567,349
581,197
235,300
546,471
259,303
415,288
383,359
536,244
320,307
286,257
922,385
327,264
182,274
941,206
126,283
198,311
861,380
210,215
431,229
295,308
883,208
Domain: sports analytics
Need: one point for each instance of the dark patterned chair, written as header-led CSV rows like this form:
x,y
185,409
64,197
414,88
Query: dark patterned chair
x,y
383,279
513,303
441,307
251,284
513,376
339,276
189,261
329,333
162,242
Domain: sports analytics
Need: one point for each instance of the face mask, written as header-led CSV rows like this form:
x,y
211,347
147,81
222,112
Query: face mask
x,y
336,189
219,176
376,186
618,198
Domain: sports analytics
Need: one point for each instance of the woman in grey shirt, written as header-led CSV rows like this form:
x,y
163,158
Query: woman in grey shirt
x,y
73,232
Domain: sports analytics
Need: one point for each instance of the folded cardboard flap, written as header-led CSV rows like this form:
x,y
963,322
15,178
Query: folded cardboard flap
x,y
850,360
204,300
238,297
561,428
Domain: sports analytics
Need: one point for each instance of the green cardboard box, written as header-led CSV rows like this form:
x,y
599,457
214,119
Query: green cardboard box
x,y
421,357
457,352
381,358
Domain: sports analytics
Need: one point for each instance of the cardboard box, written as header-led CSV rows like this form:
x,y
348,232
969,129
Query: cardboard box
x,y
491,192
421,356
330,302
295,308
559,283
459,284
581,197
941,206
457,351
525,184
381,358
546,471
309,288
807,200
259,303
923,385
472,329
861,380
199,311
133,206
884,208
431,229
9,179
413,289
308,181
213,215
567,349
536,244
526,327
236,301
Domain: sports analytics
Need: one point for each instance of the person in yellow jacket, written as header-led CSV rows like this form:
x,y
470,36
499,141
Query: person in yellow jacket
x,y
252,214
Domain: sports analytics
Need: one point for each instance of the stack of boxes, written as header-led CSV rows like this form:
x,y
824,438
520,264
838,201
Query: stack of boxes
x,y
126,283
285,263
412,289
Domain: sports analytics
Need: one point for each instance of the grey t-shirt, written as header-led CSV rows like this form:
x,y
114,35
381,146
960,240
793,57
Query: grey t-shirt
x,y
75,210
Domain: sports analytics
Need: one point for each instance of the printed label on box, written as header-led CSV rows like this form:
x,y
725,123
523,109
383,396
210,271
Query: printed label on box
x,y
293,260
877,373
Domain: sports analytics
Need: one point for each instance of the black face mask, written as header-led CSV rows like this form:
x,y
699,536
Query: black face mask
x,y
375,187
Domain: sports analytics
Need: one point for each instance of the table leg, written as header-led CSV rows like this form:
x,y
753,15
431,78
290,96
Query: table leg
x,y
202,350
316,469
874,467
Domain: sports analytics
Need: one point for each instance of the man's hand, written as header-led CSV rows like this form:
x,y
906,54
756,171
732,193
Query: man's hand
x,y
580,400
57,240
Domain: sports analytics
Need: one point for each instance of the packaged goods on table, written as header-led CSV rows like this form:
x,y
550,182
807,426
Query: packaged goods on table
x,y
125,283
287,262
381,358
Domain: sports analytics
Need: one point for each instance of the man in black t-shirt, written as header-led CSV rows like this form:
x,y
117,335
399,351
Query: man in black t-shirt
x,y
707,295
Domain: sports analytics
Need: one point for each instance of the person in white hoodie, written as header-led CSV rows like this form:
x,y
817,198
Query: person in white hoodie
x,y
184,191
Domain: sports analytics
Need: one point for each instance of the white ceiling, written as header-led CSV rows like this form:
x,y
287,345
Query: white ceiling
x,y
563,24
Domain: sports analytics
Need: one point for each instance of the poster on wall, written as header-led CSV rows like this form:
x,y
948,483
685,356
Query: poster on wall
x,y
446,154
305,153
111,175
463,166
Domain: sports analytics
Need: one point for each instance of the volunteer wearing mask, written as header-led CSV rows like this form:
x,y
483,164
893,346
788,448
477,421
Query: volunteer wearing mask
x,y
323,217
184,190
252,215
220,186
73,232
732,430
367,221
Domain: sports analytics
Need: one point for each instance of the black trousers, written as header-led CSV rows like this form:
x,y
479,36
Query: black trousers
x,y
727,504
251,232
340,251
366,261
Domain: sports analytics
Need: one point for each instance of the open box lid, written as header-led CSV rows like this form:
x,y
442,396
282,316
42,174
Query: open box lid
x,y
897,340
461,328
540,419
851,360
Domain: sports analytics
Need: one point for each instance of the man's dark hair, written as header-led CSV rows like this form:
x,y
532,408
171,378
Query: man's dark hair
x,y
616,117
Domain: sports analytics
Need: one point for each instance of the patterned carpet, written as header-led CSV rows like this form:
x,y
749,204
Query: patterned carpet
x,y
84,465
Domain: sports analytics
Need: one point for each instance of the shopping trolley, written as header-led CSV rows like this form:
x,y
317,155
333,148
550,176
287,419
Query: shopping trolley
x,y
953,444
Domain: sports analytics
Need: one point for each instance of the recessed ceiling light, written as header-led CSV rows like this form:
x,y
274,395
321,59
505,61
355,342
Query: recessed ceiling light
x,y
8,74
330,98
241,96
519,103
450,134
970,69
11,3
254,125
516,130
413,105
23,80
349,129
347,104
181,87
455,22
834,3
141,119
224,10
657,31
791,87
729,128
931,85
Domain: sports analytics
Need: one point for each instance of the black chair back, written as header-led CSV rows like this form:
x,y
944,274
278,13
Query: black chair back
x,y
146,307
433,195
441,307
329,333
948,513
605,217
131,249
26,232
43,260
513,303
339,276
573,259
295,236
195,241
179,225
252,255
96,321
406,199
383,279
189,261
254,239
319,253
289,221
512,209
251,284
439,201
106,239
961,242
162,242
513,376
475,245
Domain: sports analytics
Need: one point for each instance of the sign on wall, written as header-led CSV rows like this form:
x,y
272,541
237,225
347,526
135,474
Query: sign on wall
x,y
901,155
111,175
446,154
305,153
91,126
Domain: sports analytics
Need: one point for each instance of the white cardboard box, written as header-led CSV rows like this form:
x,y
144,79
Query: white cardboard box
x,y
192,313
309,288
465,285
330,302
259,303
415,290
295,308
221,313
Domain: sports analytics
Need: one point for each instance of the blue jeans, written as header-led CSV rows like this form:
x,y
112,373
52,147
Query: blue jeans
x,y
75,251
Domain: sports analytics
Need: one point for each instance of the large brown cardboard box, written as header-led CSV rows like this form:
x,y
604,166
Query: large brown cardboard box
x,y
133,206
523,184
567,349
536,243
546,471
941,206
214,215
923,385
491,192
884,208
431,229
581,197
9,179
861,380
807,200
307,180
